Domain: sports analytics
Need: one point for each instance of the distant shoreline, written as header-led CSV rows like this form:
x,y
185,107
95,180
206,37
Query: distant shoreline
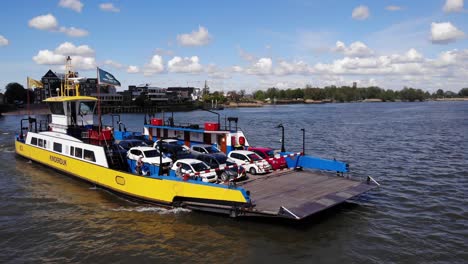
x,y
41,109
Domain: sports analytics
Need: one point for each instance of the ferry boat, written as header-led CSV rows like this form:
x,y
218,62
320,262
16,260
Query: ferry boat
x,y
73,144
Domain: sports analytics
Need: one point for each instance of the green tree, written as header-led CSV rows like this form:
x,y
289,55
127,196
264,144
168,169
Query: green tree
x,y
272,93
411,94
15,92
463,92
259,95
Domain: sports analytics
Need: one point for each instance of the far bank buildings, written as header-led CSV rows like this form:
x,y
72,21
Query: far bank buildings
x,y
108,94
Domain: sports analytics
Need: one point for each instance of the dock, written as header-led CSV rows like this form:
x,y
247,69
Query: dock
x,y
299,194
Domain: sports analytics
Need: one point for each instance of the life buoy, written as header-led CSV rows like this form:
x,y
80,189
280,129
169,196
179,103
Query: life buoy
x,y
242,141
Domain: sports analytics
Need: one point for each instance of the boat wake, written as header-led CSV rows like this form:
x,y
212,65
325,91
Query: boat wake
x,y
7,149
152,209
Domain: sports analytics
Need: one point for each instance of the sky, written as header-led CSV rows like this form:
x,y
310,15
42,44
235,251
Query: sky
x,y
236,45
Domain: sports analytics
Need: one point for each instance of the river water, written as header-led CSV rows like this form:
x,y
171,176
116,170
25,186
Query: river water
x,y
417,151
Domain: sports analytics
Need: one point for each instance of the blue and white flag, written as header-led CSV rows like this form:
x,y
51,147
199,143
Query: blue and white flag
x,y
107,78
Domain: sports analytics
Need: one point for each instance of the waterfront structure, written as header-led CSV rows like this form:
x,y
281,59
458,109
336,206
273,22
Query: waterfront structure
x,y
53,82
163,95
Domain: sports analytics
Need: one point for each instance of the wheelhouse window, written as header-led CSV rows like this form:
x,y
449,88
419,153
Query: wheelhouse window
x,y
34,141
72,151
56,108
57,147
87,108
89,155
40,142
79,153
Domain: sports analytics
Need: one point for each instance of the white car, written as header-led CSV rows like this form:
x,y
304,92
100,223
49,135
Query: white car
x,y
251,161
149,155
170,141
190,166
206,149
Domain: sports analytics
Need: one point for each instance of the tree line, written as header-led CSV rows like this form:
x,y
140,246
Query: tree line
x,y
15,92
353,94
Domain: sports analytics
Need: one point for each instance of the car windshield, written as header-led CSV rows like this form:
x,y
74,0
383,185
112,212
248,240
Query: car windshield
x,y
182,151
212,149
200,166
151,153
254,157
270,154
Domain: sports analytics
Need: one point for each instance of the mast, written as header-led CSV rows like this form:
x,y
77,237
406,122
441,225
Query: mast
x,y
65,91
99,100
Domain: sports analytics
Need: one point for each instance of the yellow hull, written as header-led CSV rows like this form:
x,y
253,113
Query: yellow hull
x,y
150,189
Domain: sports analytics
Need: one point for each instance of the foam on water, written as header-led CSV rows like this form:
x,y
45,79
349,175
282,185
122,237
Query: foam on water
x,y
152,209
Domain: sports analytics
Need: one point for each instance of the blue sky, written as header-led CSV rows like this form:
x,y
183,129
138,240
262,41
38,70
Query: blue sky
x,y
240,44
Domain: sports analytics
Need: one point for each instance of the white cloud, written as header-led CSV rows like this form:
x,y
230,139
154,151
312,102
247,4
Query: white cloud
x,y
237,68
109,7
45,22
393,71
49,58
113,64
393,8
156,65
68,49
356,49
75,5
74,32
412,55
82,56
361,12
262,66
184,65
453,6
133,69
196,38
443,33
83,63
288,68
446,58
49,22
3,41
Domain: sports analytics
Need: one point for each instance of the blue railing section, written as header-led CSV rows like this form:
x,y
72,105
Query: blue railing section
x,y
121,135
310,162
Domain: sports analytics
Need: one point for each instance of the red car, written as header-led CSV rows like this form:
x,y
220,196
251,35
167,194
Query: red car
x,y
269,155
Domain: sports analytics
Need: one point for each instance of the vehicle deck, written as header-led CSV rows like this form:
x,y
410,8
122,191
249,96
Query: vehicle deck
x,y
298,194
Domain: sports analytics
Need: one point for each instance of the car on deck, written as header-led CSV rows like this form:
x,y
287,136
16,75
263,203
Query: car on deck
x,y
233,172
151,156
196,168
174,151
130,143
206,149
251,161
276,161
226,169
